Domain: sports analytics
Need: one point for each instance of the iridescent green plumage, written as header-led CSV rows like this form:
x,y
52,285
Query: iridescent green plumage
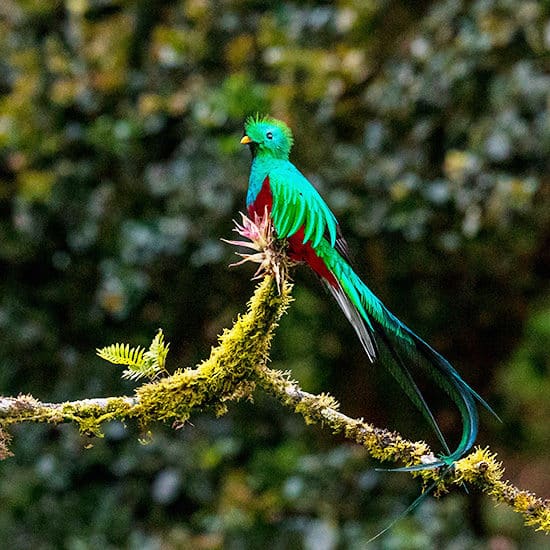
x,y
301,216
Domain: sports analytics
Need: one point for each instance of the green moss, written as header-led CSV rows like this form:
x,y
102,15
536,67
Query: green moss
x,y
231,373
223,375
482,469
479,466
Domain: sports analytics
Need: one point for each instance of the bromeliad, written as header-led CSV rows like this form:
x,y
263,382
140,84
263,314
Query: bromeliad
x,y
302,221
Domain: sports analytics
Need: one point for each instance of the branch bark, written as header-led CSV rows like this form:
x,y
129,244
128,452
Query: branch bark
x,y
234,369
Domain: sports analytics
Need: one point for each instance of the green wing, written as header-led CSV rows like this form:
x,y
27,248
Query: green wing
x,y
297,203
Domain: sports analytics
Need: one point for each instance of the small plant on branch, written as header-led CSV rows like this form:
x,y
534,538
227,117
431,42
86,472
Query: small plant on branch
x,y
141,363
270,252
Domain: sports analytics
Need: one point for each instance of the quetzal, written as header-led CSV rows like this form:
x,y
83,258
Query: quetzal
x,y
301,216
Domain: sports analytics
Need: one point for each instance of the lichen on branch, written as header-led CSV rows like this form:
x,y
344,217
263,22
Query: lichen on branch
x,y
226,375
238,365
480,469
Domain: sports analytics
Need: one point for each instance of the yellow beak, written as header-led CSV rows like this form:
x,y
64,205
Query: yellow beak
x,y
245,140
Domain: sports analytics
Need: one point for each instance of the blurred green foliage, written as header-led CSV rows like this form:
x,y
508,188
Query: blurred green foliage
x,y
425,125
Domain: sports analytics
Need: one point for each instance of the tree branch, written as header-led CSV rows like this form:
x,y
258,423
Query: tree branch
x,y
235,367
225,376
480,468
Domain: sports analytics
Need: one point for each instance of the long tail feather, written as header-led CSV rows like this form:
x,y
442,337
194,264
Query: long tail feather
x,y
409,384
381,333
421,498
354,317
375,342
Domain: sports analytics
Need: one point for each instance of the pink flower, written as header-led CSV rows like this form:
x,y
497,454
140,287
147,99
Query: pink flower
x,y
270,251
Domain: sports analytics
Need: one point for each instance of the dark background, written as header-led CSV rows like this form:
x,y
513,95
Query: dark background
x,y
425,126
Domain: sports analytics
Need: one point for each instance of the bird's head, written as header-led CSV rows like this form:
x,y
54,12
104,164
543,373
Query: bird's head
x,y
267,136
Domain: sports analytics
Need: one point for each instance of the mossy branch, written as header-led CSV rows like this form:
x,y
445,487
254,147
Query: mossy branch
x,y
479,469
225,376
235,367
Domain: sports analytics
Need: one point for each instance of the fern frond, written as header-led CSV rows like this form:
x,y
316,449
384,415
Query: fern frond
x,y
123,354
135,373
158,351
150,364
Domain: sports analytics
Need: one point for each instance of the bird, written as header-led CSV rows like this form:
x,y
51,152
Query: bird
x,y
312,235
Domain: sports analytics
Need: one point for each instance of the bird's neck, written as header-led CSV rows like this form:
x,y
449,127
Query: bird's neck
x,y
261,166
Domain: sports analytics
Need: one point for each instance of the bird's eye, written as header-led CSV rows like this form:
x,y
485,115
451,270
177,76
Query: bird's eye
x,y
269,135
